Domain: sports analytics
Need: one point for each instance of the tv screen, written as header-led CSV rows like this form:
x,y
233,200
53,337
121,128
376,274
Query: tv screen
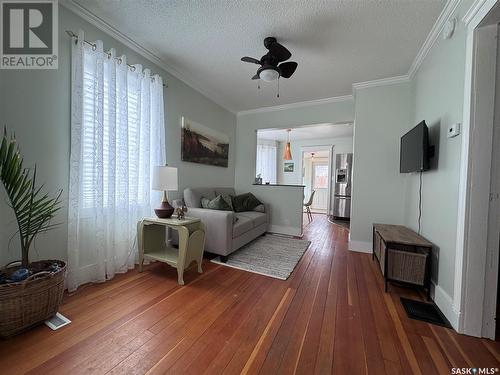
x,y
414,153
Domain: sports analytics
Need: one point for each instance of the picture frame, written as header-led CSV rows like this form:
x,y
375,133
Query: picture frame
x,y
203,145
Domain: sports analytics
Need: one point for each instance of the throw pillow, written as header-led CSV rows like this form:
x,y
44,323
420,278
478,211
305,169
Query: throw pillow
x,y
245,202
260,208
218,203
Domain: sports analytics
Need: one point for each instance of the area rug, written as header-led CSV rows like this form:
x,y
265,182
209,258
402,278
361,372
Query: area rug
x,y
270,255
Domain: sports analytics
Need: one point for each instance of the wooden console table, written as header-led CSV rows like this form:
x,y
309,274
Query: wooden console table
x,y
152,241
403,255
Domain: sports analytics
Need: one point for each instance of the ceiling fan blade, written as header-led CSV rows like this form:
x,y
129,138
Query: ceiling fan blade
x,y
287,68
250,60
256,76
279,52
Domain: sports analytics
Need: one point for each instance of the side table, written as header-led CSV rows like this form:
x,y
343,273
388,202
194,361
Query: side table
x,y
152,242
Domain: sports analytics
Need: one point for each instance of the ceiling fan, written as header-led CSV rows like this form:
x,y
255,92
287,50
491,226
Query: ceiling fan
x,y
270,67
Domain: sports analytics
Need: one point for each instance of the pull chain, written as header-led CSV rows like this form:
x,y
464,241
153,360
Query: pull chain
x,y
258,84
278,88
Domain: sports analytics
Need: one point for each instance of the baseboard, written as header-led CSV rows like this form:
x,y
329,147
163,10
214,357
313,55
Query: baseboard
x,y
289,231
360,246
445,304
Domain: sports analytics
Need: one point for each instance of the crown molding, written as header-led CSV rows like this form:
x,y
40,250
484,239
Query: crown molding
x,y
308,103
152,56
474,10
433,36
381,82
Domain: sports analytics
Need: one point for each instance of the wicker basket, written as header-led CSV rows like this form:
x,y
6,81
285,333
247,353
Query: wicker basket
x,y
407,266
32,301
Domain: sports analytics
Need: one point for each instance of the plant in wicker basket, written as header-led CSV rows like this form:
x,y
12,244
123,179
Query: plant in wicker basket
x,y
33,209
35,296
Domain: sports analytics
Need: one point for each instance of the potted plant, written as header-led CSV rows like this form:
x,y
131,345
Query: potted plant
x,y
30,292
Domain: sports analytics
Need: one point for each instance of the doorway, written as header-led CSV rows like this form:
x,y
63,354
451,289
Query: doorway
x,y
316,172
477,259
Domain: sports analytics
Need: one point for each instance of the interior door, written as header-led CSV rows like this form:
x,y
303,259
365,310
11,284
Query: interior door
x,y
320,180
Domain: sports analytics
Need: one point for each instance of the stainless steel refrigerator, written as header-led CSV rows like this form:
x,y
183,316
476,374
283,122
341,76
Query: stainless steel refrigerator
x,y
342,187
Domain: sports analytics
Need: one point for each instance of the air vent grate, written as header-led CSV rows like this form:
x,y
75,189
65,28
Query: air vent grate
x,y
426,312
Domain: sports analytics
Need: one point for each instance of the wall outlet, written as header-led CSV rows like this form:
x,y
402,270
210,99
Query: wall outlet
x,y
453,130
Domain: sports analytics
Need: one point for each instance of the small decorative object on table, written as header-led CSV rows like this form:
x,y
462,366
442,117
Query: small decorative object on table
x,y
258,180
164,179
181,212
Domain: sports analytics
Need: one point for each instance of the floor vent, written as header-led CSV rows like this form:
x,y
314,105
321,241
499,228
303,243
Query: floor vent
x,y
426,312
57,321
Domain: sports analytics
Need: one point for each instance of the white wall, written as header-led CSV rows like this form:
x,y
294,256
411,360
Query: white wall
x,y
378,188
36,106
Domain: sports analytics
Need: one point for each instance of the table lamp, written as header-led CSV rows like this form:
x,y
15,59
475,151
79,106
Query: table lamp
x,y
164,179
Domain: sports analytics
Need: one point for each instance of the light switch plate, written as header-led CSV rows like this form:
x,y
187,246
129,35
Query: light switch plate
x,y
453,130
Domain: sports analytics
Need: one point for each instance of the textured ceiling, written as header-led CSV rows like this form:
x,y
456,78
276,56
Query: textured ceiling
x,y
336,43
308,132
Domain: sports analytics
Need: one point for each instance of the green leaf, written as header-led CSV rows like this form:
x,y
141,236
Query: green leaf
x,y
33,209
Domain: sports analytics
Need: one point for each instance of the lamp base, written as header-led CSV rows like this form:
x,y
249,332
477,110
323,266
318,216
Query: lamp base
x,y
164,211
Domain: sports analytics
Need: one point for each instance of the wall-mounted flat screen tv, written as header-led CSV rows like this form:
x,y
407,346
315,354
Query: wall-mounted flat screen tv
x,y
414,151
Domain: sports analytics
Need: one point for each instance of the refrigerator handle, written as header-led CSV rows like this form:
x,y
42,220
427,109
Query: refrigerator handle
x,y
348,175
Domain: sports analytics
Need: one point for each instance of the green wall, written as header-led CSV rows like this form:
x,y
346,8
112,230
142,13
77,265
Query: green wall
x,y
378,188
438,91
36,106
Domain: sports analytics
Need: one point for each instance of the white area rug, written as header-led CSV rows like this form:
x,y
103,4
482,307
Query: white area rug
x,y
270,255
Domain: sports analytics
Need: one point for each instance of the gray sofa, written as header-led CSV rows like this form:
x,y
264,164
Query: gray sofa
x,y
227,231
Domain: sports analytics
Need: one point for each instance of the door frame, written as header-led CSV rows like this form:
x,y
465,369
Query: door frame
x,y
313,175
330,148
471,290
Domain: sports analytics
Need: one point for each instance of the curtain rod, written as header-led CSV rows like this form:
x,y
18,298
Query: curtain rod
x,y
73,35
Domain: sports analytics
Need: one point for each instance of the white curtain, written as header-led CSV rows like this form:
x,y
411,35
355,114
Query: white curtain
x,y
267,153
117,137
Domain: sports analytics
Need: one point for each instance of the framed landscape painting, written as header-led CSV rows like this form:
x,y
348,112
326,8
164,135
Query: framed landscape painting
x,y
203,145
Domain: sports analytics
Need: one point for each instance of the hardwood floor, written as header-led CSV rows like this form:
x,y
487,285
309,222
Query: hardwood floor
x,y
330,316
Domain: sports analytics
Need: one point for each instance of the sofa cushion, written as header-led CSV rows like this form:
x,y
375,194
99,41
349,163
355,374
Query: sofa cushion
x,y
220,202
226,190
257,218
245,202
243,225
192,196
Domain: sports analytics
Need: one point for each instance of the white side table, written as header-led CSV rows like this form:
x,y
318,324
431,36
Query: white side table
x,y
152,242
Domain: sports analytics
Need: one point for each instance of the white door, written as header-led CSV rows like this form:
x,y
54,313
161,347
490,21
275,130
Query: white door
x,y
320,185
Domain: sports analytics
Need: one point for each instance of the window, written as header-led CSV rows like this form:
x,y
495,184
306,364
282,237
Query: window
x,y
320,176
124,133
267,154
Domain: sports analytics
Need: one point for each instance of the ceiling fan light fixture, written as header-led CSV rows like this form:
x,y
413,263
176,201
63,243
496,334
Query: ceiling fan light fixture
x,y
269,74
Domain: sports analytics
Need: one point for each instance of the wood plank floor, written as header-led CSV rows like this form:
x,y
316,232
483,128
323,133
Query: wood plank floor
x,y
330,316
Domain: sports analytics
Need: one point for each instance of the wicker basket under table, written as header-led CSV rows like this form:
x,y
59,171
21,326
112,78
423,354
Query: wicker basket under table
x,y
403,255
30,302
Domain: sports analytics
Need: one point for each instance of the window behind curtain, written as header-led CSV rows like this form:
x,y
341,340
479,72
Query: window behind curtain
x,y
267,153
130,105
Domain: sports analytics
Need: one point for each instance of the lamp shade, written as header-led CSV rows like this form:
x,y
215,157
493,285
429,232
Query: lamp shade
x,y
287,155
164,178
